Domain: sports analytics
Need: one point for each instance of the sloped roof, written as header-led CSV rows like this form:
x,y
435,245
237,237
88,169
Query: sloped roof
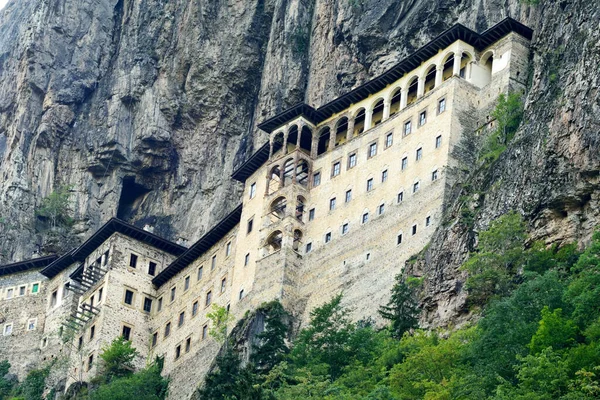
x,y
26,265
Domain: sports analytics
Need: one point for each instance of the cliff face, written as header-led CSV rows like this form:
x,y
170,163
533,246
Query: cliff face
x,y
145,106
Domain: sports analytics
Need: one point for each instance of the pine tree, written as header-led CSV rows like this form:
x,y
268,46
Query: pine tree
x,y
402,309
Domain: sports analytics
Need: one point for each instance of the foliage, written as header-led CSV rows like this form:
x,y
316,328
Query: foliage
x,y
117,360
272,347
220,317
508,115
402,309
6,385
147,384
56,207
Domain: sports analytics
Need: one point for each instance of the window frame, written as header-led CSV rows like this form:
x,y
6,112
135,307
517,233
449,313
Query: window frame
x,y
316,178
352,160
389,140
370,185
336,168
372,150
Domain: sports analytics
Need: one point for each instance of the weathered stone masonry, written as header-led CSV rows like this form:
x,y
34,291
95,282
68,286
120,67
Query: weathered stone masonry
x,y
337,200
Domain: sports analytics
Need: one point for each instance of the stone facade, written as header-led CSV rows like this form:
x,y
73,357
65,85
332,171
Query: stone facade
x,y
337,206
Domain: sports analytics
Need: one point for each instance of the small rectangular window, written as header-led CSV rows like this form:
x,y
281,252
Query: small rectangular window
x,y
228,249
404,163
252,190
186,283
246,259
167,329
434,175
335,171
441,106
352,160
399,239
213,262
348,195
31,324
53,297
241,294
181,319
332,204
151,268
400,197
128,297
372,150
35,288
188,344
208,298
438,141
384,175
159,305
407,128
194,309
414,229
381,209
365,218
428,221
308,247
311,214
8,328
204,332
369,184
126,332
22,290
80,343
316,179
199,274
105,259
250,224
415,187
133,260
422,118
154,339
389,140
90,361
92,332
419,154
328,237
344,229
223,284
147,304
177,351
92,301
173,292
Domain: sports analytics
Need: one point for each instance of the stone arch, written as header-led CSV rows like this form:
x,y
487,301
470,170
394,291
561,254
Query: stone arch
x,y
300,207
377,112
274,179
324,137
395,100
429,78
306,139
448,66
341,130
277,208
292,138
302,172
277,143
274,242
288,171
359,122
412,89
297,243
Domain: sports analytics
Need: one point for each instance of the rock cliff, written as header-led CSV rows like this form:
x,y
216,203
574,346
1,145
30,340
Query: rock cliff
x,y
144,107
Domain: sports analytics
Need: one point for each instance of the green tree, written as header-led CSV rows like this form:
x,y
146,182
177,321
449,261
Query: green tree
x,y
219,317
147,384
554,331
6,385
508,113
272,347
402,309
56,207
117,360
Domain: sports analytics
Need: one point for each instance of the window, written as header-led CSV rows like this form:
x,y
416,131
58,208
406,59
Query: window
x,y
404,163
316,179
223,284
400,197
441,106
422,118
152,268
80,343
407,128
369,184
434,175
126,332
308,247
419,153
147,304
332,204
414,229
167,329
208,298
389,139
92,301
22,290
365,218
133,260
8,328
372,150
335,171
204,332
352,160
128,297
241,294
194,308
53,297
177,351
381,209
100,291
159,306
31,324
92,332
173,292
35,288
348,195
384,176
416,187
399,239
311,214
90,361
228,249
181,319
246,259
154,339
428,220
105,259
200,271
368,256
328,237
213,262
252,190
186,283
250,223
344,229
188,344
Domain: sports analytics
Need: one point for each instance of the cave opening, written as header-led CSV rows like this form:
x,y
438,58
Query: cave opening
x,y
132,194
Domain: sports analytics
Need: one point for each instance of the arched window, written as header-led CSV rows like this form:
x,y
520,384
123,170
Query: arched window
x,y
395,101
292,138
377,113
277,142
359,122
413,86
302,172
306,139
300,208
288,172
430,78
465,59
277,208
274,179
297,244
274,242
486,63
341,129
448,67
324,137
